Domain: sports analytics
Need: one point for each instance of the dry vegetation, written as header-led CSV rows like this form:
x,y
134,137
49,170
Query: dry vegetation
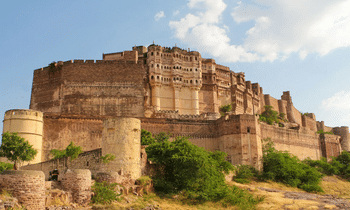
x,y
277,196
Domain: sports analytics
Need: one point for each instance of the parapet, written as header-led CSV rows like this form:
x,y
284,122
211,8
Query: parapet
x,y
23,114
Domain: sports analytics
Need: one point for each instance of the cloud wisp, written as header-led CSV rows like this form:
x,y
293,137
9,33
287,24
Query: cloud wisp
x,y
159,15
339,107
281,27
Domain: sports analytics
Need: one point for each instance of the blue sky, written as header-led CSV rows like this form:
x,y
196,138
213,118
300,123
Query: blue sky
x,y
301,46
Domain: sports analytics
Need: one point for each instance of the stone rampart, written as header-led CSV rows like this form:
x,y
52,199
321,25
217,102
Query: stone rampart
x,y
343,131
61,130
309,122
330,145
27,186
113,88
302,143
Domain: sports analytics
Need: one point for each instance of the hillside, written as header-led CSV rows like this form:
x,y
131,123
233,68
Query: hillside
x,y
277,197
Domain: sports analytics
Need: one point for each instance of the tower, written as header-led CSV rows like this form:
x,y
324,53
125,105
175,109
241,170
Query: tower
x,y
28,124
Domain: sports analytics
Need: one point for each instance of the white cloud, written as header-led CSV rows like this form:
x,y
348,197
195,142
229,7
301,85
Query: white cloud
x,y
337,108
281,27
159,15
340,100
176,12
201,30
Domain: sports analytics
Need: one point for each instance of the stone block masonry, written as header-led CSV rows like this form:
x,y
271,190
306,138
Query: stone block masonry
x,y
122,138
78,182
27,186
169,90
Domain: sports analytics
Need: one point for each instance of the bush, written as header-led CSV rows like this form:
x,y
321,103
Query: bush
x,y
226,108
245,172
270,116
104,193
184,166
286,168
323,132
146,137
311,188
5,166
195,172
337,166
323,166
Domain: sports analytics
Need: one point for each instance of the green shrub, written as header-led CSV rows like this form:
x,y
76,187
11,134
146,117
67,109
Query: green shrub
x,y
323,166
184,166
245,172
337,166
71,151
286,168
196,173
311,188
5,166
226,108
146,137
104,193
270,116
323,132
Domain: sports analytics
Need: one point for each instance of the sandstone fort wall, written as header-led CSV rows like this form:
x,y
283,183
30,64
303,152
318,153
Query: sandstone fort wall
x,y
60,131
169,90
112,88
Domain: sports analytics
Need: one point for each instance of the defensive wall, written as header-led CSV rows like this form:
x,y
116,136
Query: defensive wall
x,y
168,90
101,88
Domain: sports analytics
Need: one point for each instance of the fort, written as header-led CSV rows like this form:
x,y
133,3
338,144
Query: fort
x,y
102,106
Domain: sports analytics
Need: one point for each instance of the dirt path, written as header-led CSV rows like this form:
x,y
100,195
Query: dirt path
x,y
318,201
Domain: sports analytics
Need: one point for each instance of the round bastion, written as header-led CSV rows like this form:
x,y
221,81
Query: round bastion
x,y
78,182
27,186
28,124
121,137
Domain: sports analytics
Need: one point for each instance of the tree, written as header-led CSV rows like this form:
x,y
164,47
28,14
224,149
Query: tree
x,y
71,151
16,149
183,166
